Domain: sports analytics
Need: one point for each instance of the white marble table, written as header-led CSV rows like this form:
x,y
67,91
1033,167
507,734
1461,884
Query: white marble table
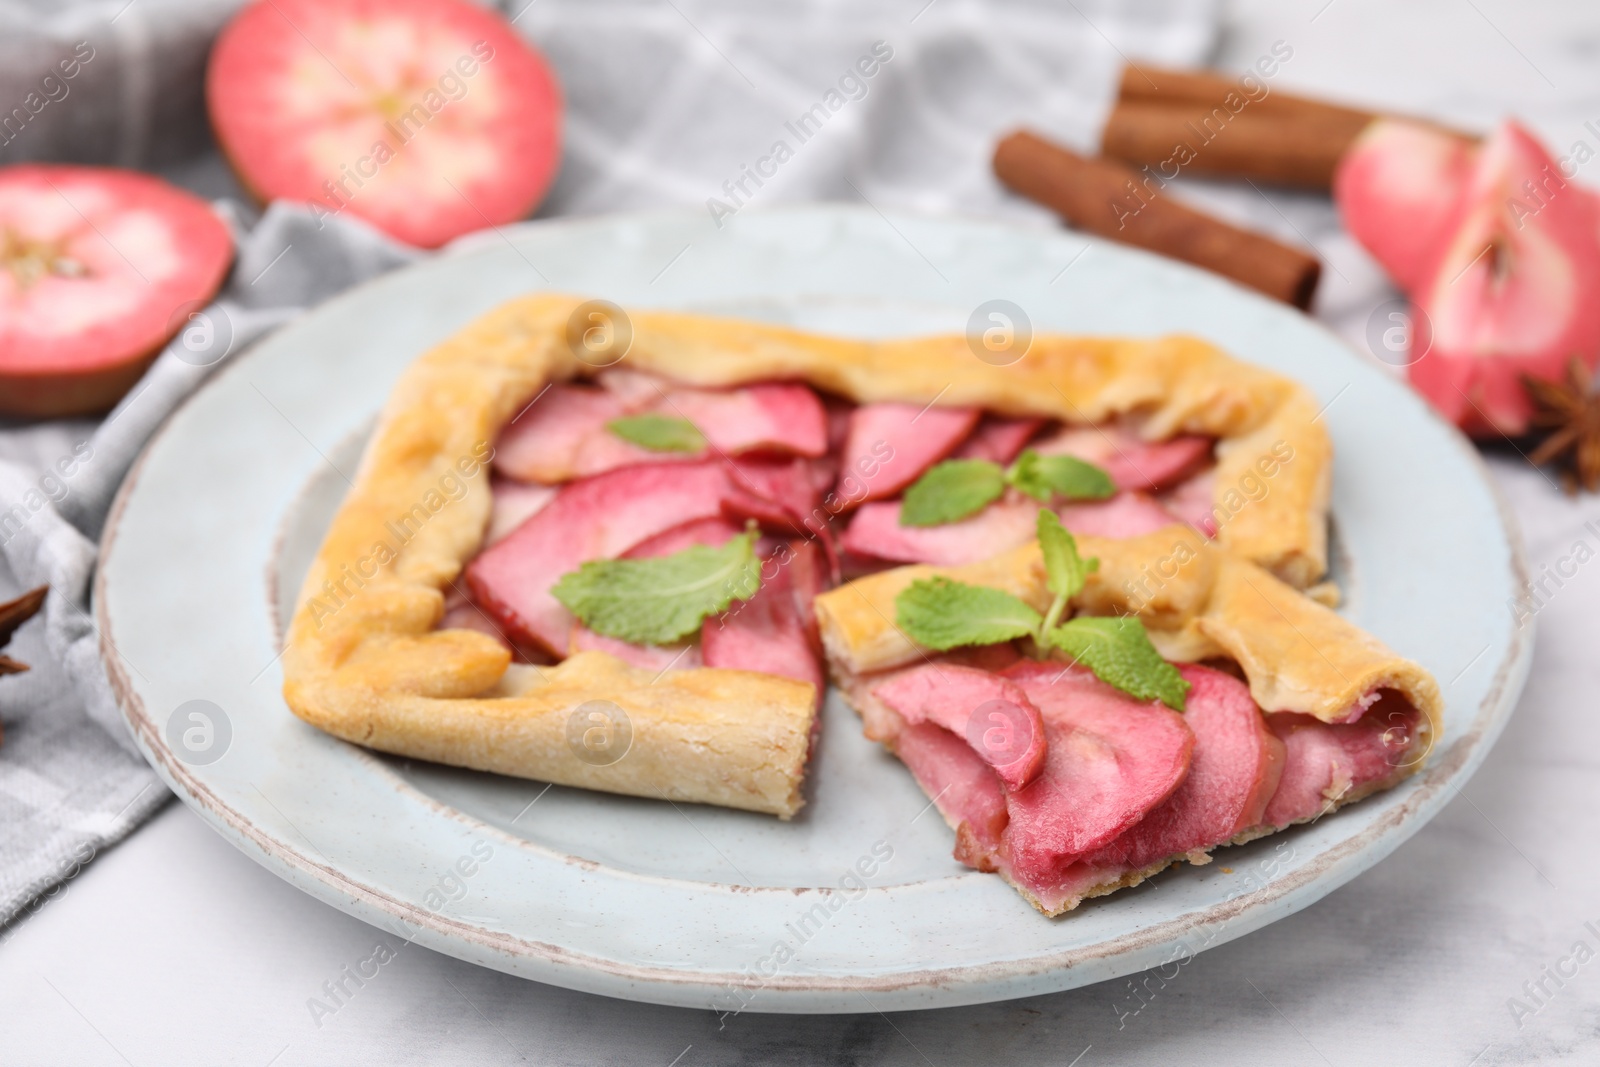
x,y
174,948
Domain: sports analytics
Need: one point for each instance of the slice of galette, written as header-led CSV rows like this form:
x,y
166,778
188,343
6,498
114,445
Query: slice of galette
x,y
584,546
1028,697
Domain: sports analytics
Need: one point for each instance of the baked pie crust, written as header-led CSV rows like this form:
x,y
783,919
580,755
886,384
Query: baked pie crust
x,y
1297,655
364,660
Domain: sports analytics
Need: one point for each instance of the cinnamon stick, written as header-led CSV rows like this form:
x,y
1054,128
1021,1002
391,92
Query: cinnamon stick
x,y
1159,85
1117,202
13,613
1192,139
1203,123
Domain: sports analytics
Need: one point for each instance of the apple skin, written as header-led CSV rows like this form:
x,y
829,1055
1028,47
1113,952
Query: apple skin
x,y
1398,189
1499,253
1513,291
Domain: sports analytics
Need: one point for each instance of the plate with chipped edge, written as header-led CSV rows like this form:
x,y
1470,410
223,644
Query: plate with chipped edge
x,y
856,905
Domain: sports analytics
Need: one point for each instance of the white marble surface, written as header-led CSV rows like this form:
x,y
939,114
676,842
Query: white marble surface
x,y
174,948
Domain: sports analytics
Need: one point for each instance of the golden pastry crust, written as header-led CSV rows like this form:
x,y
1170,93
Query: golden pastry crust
x,y
1197,600
1274,459
682,728
364,661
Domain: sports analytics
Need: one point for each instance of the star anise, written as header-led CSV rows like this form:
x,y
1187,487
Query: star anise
x,y
13,613
1571,412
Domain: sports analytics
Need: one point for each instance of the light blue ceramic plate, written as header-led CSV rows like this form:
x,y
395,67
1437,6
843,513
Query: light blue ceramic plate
x,y
713,908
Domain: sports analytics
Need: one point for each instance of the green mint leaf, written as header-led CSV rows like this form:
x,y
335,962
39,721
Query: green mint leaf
x,y
1118,650
1064,570
658,433
940,614
1040,476
657,601
950,491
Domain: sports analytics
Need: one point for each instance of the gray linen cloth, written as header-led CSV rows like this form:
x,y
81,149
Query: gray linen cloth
x,y
667,102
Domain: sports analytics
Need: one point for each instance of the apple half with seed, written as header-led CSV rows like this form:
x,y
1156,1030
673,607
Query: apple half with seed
x,y
1499,251
427,118
98,269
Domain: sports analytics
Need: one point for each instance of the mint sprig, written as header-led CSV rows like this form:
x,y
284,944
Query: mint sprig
x,y
658,433
957,488
657,601
942,614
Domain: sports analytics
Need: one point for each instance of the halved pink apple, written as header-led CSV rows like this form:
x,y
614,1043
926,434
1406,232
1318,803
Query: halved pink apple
x,y
98,269
1513,291
427,118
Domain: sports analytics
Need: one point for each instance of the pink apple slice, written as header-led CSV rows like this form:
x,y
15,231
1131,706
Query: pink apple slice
x,y
775,417
875,532
546,440
566,433
596,518
964,788
998,439
514,504
1130,460
890,445
1124,515
1194,500
1329,763
1109,760
772,631
1236,768
993,714
1233,774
